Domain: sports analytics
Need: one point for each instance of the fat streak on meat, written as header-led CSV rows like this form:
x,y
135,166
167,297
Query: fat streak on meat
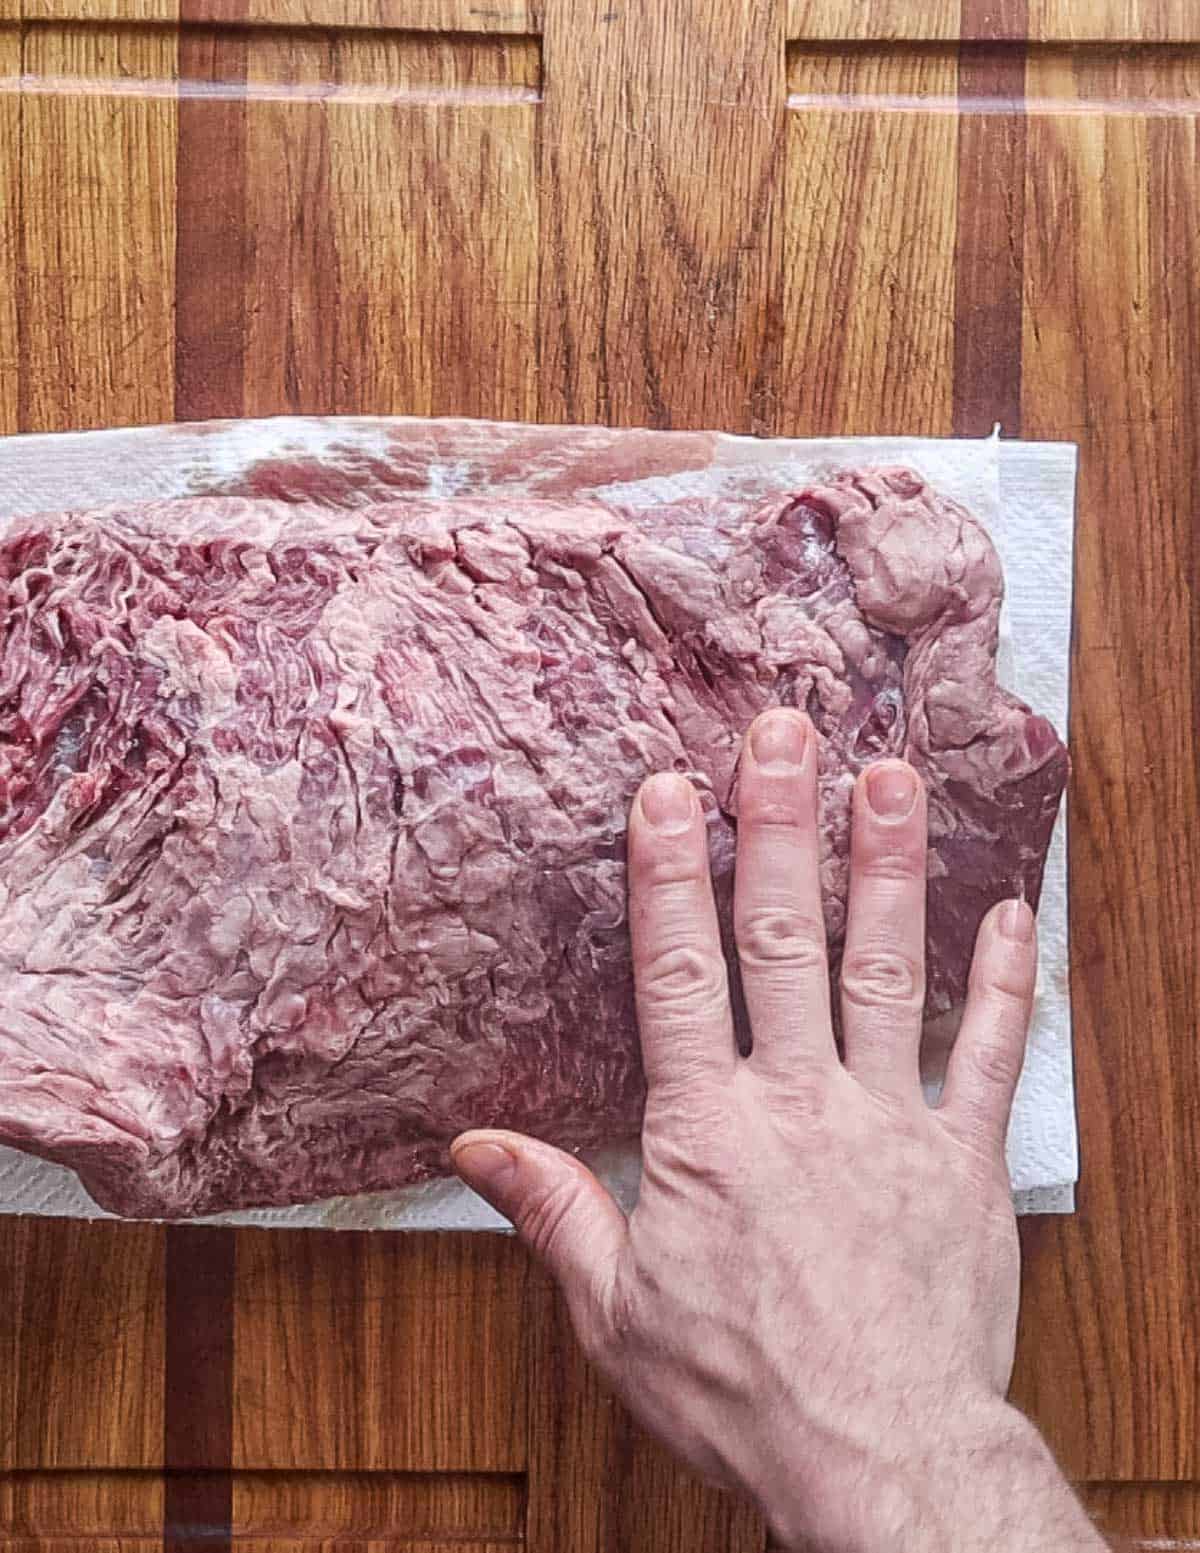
x,y
312,822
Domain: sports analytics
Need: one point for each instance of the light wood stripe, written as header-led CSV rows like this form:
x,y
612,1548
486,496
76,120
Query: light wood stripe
x,y
1051,21
869,234
428,16
97,271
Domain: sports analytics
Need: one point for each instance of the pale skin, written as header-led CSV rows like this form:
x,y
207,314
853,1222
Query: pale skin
x,y
815,1299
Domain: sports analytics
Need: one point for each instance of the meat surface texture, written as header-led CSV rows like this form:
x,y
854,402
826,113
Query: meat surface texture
x,y
312,822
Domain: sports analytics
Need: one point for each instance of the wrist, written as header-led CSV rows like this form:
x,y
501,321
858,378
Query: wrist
x,y
965,1479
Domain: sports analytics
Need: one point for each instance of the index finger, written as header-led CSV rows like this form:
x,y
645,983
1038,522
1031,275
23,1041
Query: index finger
x,y
684,1012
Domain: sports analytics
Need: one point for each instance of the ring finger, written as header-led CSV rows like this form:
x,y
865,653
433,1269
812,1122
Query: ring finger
x,y
883,968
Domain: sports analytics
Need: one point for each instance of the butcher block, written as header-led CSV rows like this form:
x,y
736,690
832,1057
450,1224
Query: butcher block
x,y
793,217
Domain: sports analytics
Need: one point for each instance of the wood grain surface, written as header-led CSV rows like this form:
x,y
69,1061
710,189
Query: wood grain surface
x,y
1110,336
1057,21
776,216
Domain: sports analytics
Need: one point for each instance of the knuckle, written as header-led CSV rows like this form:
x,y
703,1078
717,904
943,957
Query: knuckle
x,y
662,869
686,1157
891,865
998,1066
601,1341
624,1321
777,937
882,978
685,1112
803,1099
684,978
1006,986
685,1099
981,1147
773,806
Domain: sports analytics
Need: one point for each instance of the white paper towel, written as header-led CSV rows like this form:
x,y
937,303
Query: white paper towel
x,y
1035,535
1024,493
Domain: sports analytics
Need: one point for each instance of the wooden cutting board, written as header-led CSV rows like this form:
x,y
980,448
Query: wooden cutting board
x,y
777,216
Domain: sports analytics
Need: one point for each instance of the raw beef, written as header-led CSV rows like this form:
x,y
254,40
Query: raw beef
x,y
311,822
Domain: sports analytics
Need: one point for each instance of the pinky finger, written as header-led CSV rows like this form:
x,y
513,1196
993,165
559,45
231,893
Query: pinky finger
x,y
988,1054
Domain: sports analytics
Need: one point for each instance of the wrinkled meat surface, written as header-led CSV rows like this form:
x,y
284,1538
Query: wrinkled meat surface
x,y
312,823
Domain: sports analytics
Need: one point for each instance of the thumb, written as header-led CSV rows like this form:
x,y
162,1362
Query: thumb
x,y
557,1206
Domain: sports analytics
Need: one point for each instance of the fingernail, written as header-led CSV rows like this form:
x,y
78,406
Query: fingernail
x,y
668,802
1016,922
780,741
485,1166
892,791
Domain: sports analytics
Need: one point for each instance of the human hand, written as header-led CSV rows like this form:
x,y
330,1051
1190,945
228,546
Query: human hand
x,y
815,1298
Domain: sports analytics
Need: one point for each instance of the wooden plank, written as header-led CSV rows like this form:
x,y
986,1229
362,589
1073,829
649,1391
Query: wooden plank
x,y
434,16
80,1385
659,304
14,1248
1152,1515
388,1508
1108,1361
870,224
210,294
39,1506
663,1506
990,240
381,1545
213,246
84,1321
71,1505
97,269
10,216
415,279
578,1437
428,239
1115,21
396,1352
72,1545
100,10
850,20
1151,81
1154,79
661,144
431,16
1053,21
197,1443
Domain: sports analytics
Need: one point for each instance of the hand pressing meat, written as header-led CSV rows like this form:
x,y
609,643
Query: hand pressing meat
x,y
312,823
815,1298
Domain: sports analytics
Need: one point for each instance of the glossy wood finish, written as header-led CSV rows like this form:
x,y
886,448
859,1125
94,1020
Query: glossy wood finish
x,y
779,216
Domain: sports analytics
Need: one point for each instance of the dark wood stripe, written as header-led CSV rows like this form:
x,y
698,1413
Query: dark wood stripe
x,y
211,266
990,261
198,1404
211,257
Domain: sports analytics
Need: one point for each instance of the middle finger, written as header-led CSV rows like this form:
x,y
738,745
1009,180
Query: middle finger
x,y
778,923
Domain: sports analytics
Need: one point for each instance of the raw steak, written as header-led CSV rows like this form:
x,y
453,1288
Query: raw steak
x,y
311,822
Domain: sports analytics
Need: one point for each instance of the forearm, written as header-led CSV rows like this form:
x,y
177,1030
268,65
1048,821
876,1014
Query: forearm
x,y
988,1486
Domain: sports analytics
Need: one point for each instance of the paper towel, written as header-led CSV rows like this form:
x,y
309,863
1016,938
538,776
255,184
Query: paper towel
x,y
1023,493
